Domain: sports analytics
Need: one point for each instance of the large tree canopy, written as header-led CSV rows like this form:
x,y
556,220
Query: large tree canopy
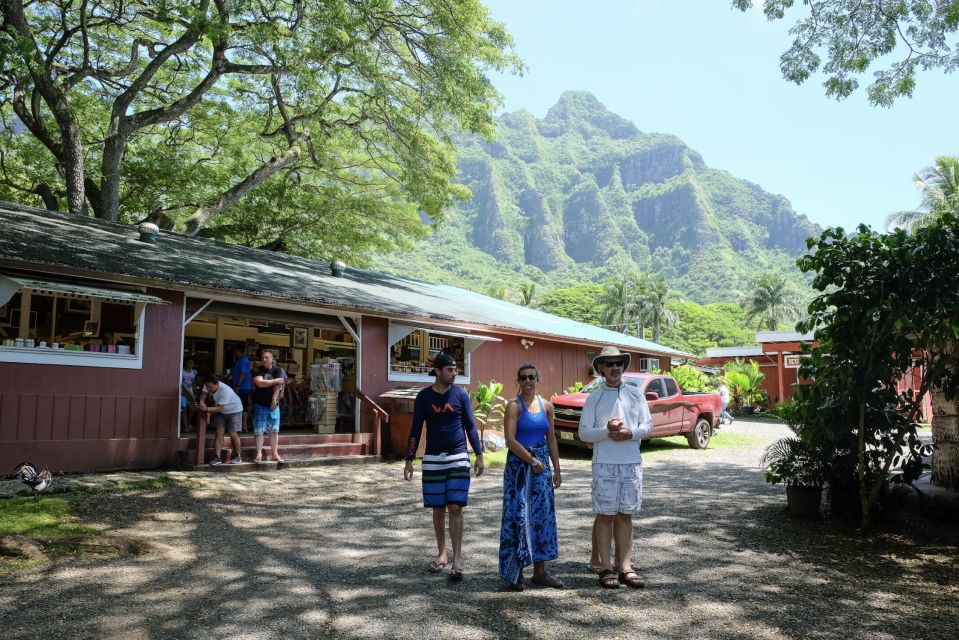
x,y
270,122
852,34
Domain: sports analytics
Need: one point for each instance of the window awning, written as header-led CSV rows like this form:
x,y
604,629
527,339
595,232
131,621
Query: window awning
x,y
10,285
470,341
261,314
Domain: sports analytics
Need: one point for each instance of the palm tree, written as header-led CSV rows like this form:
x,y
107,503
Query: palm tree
x,y
771,302
497,291
939,186
618,302
527,291
653,309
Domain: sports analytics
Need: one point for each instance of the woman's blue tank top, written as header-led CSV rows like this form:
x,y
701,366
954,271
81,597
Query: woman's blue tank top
x,y
531,428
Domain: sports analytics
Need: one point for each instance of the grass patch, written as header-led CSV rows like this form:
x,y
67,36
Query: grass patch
x,y
48,517
161,481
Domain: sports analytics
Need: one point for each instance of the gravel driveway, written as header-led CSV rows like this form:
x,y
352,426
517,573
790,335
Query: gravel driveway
x,y
341,552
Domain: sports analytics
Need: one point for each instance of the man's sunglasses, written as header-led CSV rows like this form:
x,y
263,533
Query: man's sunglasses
x,y
614,363
531,376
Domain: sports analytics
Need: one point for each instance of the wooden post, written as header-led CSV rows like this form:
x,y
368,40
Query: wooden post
x,y
779,370
200,436
24,328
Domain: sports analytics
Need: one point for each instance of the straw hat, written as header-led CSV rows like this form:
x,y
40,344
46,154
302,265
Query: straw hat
x,y
610,353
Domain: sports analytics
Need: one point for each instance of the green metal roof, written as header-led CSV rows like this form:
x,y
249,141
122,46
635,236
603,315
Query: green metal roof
x,y
177,261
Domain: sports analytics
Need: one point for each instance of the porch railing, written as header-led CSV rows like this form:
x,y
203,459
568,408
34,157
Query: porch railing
x,y
379,417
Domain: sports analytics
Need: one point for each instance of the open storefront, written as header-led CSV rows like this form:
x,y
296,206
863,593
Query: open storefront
x,y
71,323
318,352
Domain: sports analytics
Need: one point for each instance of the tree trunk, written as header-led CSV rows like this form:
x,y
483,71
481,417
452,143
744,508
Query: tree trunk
x,y
945,436
113,148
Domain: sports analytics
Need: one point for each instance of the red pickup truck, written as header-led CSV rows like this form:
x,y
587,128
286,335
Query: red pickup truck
x,y
697,423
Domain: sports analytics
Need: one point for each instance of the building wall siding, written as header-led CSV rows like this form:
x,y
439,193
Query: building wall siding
x,y
90,418
560,364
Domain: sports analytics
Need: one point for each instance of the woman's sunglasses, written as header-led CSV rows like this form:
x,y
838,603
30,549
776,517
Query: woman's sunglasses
x,y
531,376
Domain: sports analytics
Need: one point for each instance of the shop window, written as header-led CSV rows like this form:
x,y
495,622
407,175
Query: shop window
x,y
412,350
58,323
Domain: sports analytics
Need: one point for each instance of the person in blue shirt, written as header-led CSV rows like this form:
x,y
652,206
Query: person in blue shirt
x,y
528,527
448,414
242,381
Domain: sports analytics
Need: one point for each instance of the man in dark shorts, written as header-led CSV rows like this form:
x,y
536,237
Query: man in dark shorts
x,y
448,414
226,416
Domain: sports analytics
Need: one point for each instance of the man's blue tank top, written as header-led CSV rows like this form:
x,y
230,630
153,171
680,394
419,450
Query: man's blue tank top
x,y
531,428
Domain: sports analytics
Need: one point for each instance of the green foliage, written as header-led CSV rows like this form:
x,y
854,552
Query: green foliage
x,y
580,303
576,388
939,186
690,379
489,407
794,462
887,307
852,35
771,301
702,327
319,128
744,378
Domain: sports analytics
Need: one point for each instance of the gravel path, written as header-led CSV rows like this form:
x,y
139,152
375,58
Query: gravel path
x,y
341,552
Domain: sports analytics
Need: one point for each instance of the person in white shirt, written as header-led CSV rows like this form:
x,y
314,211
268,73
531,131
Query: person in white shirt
x,y
227,416
615,419
726,417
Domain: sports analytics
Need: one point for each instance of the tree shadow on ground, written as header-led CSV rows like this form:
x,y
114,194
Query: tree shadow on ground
x,y
344,554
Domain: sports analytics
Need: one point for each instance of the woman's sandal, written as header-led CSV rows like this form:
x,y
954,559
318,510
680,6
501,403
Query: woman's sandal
x,y
607,579
548,581
632,579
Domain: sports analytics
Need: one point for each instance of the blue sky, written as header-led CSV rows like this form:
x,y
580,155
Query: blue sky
x,y
710,75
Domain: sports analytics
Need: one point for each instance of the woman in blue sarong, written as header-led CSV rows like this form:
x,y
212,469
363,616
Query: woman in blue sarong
x,y
528,530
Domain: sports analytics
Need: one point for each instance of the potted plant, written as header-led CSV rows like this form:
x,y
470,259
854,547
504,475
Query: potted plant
x,y
802,469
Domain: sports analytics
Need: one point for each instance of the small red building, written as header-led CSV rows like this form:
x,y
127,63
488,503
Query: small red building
x,y
777,354
96,318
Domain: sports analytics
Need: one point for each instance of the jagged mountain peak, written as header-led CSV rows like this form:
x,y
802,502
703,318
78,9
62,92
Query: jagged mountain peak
x,y
581,111
583,193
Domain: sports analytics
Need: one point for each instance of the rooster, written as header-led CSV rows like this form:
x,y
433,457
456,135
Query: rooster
x,y
39,481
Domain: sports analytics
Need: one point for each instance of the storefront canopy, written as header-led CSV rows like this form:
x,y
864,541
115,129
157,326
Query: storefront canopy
x,y
10,285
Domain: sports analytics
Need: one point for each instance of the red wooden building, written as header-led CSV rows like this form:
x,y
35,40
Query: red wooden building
x,y
95,319
777,354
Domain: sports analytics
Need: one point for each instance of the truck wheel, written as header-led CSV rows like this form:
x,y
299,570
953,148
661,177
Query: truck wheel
x,y
699,437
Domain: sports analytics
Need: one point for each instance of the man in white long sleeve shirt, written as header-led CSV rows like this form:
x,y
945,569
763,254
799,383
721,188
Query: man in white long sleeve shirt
x,y
615,419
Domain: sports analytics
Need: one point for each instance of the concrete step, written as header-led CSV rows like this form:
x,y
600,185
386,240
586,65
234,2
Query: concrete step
x,y
289,462
247,439
301,450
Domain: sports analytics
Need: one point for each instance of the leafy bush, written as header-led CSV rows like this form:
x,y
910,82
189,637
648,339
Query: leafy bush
x,y
744,379
691,379
489,407
576,388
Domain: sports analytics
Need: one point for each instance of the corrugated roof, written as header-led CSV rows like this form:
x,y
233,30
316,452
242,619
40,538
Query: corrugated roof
x,y
184,262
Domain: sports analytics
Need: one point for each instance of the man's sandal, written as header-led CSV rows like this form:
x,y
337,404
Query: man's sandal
x,y
456,575
607,579
436,567
631,579
595,568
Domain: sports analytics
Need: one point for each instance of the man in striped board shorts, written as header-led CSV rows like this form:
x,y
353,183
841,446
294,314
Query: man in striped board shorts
x,y
448,414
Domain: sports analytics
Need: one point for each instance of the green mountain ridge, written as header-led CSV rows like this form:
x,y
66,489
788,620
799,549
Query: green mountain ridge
x,y
583,195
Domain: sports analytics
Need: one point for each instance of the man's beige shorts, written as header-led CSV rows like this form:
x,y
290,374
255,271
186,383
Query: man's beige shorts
x,y
617,488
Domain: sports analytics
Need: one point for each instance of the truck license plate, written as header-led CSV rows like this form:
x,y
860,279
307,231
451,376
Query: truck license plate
x,y
566,435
